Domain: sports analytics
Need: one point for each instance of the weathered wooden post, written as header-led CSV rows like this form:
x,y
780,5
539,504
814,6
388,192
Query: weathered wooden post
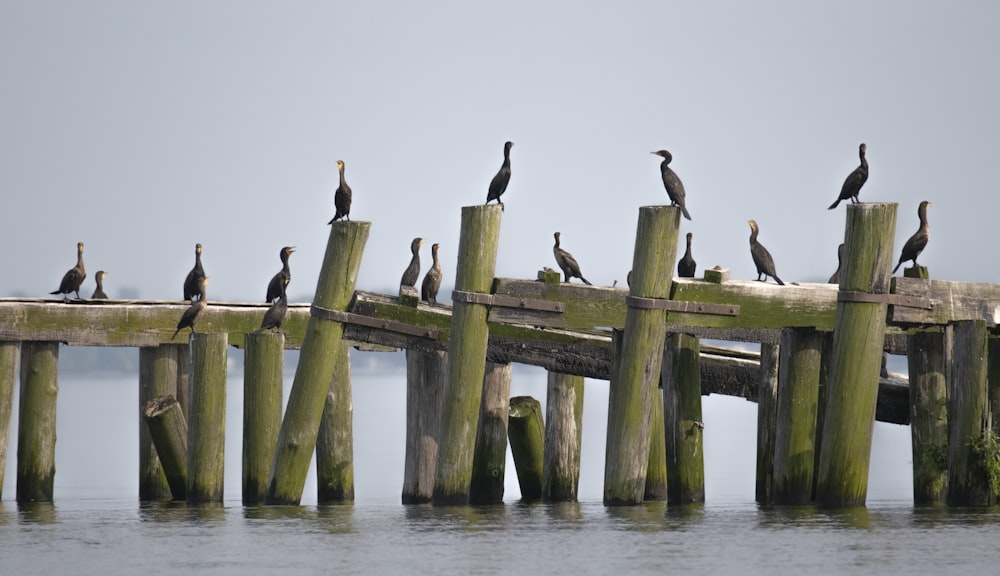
x,y
157,377
849,417
682,418
9,353
317,362
634,383
477,252
425,381
335,443
563,435
490,457
527,438
263,393
825,375
168,432
767,410
970,442
207,419
795,430
993,388
656,471
927,359
36,425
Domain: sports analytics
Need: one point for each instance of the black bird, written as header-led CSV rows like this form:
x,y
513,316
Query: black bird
x,y
432,280
342,197
686,265
99,291
761,257
499,183
835,278
854,181
73,278
275,315
280,280
568,264
190,316
675,189
193,279
412,271
916,244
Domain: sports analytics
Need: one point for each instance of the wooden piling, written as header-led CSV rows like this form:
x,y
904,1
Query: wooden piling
x,y
795,430
527,439
927,355
490,457
425,381
825,374
682,419
563,435
158,370
767,410
315,370
263,394
207,418
656,470
168,433
971,444
478,239
9,353
849,417
36,425
633,384
335,442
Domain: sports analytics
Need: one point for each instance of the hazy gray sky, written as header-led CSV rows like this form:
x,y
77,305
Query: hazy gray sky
x,y
141,129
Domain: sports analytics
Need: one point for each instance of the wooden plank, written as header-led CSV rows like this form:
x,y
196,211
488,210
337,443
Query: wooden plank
x,y
953,301
762,305
588,308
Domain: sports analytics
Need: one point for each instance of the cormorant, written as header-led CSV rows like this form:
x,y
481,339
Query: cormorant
x,y
686,265
275,315
761,257
190,316
499,183
99,291
412,271
568,264
835,278
73,277
854,181
675,189
193,279
915,245
432,280
342,197
283,277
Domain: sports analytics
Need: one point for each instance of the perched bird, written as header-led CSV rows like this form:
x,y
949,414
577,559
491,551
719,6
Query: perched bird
x,y
190,316
686,265
854,181
73,277
280,280
342,197
835,278
761,257
193,279
675,189
432,280
412,271
916,244
99,291
568,264
275,315
499,183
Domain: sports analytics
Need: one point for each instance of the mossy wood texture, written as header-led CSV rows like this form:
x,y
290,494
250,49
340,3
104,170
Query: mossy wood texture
x,y
968,416
490,458
656,470
263,393
9,354
317,363
335,443
36,424
927,360
425,380
207,418
168,433
682,419
767,412
563,437
795,430
157,378
527,439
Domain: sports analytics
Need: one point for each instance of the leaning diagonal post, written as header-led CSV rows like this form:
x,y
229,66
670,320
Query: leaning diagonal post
x,y
300,426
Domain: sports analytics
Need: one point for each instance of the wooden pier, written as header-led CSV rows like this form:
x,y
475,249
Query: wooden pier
x,y
817,379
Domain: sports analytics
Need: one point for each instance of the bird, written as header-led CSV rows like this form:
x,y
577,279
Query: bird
x,y
854,181
675,189
193,312
73,277
99,291
916,244
275,315
432,280
342,197
835,277
568,264
761,257
686,265
412,271
282,278
499,183
193,279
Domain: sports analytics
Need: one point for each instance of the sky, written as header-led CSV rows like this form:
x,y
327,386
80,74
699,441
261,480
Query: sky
x,y
141,129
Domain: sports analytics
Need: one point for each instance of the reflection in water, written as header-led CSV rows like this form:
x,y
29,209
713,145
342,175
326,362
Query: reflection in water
x,y
457,518
37,512
648,516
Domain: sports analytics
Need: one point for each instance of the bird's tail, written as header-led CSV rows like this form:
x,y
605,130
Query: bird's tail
x,y
56,292
834,205
585,281
685,212
898,264
175,333
778,280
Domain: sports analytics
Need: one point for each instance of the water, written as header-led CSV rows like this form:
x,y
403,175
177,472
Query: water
x,y
97,526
